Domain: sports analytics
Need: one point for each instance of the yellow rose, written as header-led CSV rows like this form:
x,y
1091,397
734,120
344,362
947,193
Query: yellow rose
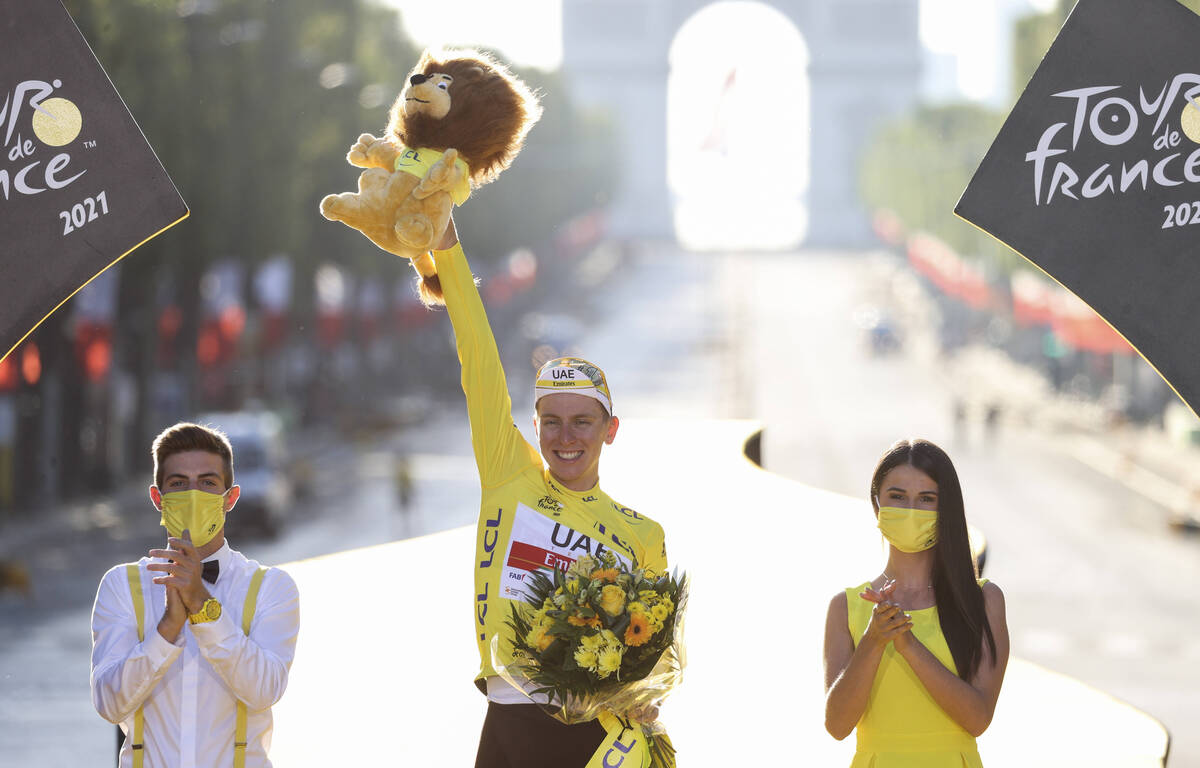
x,y
539,638
612,599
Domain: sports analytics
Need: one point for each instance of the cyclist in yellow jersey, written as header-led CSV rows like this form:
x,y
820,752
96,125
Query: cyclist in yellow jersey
x,y
914,659
538,509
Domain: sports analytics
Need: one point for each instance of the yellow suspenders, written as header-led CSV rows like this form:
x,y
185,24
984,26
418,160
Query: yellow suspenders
x,y
135,589
239,738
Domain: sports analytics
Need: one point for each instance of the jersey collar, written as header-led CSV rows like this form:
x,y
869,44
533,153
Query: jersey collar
x,y
591,494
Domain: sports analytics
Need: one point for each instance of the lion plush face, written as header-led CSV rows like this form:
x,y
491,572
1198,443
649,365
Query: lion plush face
x,y
475,106
428,95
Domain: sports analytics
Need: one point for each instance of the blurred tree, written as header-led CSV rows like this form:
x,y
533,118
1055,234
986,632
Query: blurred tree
x,y
1033,34
917,166
564,170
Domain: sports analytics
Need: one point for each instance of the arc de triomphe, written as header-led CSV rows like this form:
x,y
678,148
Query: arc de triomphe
x,y
863,68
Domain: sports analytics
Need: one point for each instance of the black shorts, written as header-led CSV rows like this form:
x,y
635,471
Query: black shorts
x,y
523,736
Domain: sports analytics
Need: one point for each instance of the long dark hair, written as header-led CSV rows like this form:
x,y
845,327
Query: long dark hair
x,y
961,611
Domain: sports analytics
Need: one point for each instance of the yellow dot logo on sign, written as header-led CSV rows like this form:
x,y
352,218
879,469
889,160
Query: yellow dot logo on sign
x,y
1189,121
56,122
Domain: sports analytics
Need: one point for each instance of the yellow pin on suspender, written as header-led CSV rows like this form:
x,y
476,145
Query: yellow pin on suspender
x,y
239,738
139,610
135,591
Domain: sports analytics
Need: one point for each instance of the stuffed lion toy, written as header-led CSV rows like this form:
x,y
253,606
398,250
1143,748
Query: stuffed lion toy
x,y
460,121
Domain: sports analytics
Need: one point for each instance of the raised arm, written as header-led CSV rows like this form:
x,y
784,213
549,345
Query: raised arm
x,y
500,450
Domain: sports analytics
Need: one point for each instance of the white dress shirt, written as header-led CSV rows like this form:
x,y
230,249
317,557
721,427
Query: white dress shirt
x,y
188,687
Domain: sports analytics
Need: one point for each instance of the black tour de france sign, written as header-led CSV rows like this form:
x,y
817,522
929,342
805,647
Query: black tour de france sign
x,y
1095,176
79,186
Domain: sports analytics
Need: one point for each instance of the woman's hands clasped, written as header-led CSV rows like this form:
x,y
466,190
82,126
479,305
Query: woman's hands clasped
x,y
888,622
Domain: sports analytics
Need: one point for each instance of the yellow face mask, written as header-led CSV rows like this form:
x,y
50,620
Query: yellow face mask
x,y
908,530
200,513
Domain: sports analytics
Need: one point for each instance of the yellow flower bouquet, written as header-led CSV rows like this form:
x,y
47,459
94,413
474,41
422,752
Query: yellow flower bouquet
x,y
601,641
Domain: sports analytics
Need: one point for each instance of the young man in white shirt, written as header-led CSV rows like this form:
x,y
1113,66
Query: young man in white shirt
x,y
191,645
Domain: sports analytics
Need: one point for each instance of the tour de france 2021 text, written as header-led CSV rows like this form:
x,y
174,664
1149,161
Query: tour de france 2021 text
x,y
80,214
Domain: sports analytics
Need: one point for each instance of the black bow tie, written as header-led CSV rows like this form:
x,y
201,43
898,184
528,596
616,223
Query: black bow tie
x,y
211,569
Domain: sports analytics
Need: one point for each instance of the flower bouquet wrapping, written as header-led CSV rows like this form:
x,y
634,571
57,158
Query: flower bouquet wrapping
x,y
601,641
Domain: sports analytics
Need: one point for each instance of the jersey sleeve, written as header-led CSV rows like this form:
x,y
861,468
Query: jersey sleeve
x,y
500,450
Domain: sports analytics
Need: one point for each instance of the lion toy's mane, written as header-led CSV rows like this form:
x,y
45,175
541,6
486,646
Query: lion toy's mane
x,y
491,113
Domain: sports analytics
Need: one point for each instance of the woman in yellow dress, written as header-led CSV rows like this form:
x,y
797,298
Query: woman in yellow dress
x,y
915,657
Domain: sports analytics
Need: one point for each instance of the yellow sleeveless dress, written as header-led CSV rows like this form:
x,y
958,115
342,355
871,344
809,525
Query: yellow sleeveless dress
x,y
903,727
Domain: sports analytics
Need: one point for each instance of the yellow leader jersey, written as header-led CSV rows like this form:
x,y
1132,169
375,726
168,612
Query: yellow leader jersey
x,y
527,520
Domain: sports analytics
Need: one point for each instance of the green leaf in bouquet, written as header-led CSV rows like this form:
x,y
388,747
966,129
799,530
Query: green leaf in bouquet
x,y
540,586
619,625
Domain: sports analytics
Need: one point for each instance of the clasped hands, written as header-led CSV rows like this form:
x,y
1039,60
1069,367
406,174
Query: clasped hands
x,y
186,592
889,623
